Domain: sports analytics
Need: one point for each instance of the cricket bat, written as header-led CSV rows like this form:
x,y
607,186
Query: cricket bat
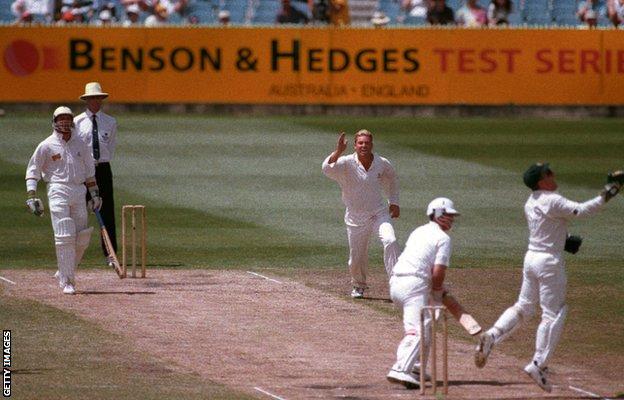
x,y
459,313
109,246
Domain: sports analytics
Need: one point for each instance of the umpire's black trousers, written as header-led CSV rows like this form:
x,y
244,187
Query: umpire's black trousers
x,y
104,179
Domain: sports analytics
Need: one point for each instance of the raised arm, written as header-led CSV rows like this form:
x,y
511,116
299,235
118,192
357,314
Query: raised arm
x,y
341,146
563,207
331,167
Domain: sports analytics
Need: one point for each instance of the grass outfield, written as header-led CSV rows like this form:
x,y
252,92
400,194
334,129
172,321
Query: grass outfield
x,y
233,192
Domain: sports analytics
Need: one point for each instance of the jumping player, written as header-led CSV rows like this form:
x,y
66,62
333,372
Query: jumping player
x,y
544,276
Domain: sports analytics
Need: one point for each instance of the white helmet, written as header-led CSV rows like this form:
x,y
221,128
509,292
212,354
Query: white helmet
x,y
64,127
441,206
62,110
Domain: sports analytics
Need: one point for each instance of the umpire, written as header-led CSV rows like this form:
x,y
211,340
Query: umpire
x,y
99,130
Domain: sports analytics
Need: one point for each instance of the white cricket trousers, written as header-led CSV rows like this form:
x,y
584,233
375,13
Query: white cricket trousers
x,y
68,211
544,282
411,293
359,237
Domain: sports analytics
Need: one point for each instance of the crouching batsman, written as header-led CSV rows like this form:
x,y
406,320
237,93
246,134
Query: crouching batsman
x,y
544,276
65,163
417,281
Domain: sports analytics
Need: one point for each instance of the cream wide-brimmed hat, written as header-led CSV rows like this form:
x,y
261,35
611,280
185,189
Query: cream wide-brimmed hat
x,y
380,18
93,89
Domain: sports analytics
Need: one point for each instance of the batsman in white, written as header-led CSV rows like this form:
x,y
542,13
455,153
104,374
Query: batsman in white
x,y
417,281
364,177
65,163
544,276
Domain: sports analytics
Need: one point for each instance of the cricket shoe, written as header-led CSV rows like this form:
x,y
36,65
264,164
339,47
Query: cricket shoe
x,y
109,261
484,347
416,373
410,381
56,274
357,292
539,375
69,289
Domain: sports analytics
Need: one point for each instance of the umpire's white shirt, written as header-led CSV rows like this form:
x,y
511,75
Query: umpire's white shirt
x,y
362,190
427,246
107,132
58,161
547,215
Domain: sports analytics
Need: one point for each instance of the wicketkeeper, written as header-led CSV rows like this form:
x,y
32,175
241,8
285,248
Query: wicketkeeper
x,y
65,163
544,277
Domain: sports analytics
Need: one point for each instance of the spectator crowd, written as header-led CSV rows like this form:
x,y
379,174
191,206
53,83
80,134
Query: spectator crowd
x,y
102,12
154,13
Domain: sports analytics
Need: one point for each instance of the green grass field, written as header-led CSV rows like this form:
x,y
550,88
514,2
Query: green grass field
x,y
239,192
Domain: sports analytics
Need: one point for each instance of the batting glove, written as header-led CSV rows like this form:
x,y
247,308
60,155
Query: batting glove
x,y
35,206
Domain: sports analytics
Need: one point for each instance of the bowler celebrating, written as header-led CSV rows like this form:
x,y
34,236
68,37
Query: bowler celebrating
x,y
364,177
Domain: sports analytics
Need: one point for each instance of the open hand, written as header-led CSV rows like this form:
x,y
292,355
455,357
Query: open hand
x,y
341,146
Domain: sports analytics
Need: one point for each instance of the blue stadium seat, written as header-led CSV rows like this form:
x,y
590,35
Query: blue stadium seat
x,y
454,4
266,11
237,9
392,8
5,12
415,21
565,17
538,12
205,10
515,18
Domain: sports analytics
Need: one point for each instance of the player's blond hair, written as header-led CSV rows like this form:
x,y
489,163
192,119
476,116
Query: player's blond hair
x,y
363,132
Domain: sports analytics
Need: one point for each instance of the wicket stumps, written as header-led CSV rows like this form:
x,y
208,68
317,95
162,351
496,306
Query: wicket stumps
x,y
434,362
132,211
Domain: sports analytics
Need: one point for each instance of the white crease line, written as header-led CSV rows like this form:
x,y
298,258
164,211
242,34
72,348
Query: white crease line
x,y
586,392
269,394
5,279
264,277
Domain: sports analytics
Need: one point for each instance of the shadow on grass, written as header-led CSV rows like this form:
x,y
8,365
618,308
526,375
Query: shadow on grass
x,y
379,299
481,383
333,387
30,371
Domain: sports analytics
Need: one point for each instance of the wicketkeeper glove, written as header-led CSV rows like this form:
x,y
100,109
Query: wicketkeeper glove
x,y
34,204
616,176
610,190
573,244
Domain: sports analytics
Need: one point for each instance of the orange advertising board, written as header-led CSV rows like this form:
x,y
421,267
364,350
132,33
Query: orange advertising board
x,y
314,66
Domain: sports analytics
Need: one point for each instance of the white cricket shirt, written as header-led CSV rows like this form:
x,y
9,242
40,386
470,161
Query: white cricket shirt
x,y
362,190
427,245
107,132
58,161
547,214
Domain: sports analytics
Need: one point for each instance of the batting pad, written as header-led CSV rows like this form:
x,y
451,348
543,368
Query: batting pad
x,y
65,240
82,242
65,232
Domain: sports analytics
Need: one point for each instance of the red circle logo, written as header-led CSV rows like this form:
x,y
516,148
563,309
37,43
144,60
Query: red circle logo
x,y
21,58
